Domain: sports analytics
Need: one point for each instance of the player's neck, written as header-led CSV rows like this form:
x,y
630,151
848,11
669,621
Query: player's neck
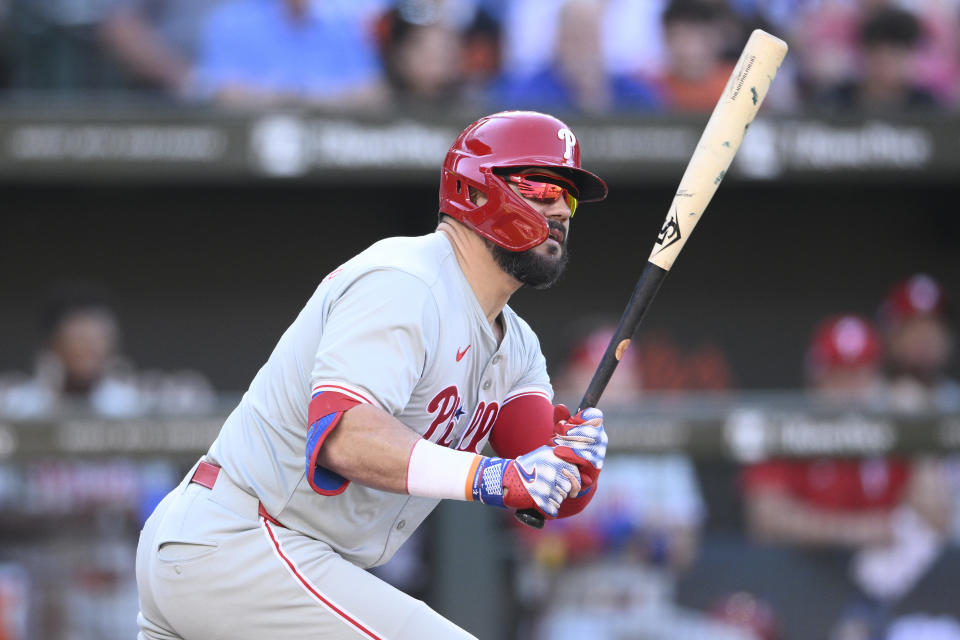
x,y
491,285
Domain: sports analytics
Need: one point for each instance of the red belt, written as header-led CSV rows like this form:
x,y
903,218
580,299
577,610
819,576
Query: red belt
x,y
206,476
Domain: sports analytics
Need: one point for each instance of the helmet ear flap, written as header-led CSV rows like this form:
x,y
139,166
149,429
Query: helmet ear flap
x,y
507,219
454,194
500,216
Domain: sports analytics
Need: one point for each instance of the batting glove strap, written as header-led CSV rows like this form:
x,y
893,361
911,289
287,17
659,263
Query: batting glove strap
x,y
488,481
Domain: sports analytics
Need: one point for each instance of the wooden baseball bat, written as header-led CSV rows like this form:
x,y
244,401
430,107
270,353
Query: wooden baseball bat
x,y
721,138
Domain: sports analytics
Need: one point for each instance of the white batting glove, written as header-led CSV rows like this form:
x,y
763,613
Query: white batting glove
x,y
538,480
583,434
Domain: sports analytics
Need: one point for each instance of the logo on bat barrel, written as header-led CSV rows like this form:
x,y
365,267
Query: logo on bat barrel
x,y
669,232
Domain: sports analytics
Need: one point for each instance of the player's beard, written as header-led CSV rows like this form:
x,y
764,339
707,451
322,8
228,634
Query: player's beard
x,y
531,268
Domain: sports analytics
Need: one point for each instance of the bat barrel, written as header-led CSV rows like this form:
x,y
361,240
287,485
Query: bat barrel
x,y
735,110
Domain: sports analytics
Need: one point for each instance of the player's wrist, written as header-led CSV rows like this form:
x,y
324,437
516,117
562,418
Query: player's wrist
x,y
438,472
538,479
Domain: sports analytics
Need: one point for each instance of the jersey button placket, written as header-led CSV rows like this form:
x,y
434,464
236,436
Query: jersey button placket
x,y
401,525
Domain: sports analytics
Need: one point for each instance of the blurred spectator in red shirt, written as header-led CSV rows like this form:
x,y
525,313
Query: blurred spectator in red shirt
x,y
914,319
890,513
696,72
576,79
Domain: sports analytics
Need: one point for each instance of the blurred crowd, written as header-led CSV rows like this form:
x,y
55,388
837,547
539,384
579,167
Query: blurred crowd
x,y
594,57
853,539
831,548
70,524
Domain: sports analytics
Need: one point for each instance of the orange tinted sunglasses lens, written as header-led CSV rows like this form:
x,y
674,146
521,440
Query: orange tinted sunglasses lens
x,y
535,188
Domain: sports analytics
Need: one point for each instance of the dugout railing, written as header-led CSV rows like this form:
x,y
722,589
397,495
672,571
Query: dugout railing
x,y
738,427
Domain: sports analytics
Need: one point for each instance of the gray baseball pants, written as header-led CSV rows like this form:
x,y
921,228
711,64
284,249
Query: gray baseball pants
x,y
209,566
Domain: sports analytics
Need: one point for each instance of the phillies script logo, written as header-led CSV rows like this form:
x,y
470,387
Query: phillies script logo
x,y
448,407
480,425
569,144
669,232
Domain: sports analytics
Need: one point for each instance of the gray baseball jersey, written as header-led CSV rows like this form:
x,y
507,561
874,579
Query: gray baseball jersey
x,y
397,326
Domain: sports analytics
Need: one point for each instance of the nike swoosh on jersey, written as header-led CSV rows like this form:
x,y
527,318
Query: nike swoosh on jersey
x,y
460,354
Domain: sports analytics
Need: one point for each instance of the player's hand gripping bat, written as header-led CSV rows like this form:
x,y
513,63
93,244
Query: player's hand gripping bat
x,y
735,110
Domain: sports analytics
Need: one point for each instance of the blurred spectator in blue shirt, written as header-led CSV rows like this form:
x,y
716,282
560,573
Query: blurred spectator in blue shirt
x,y
777,15
156,42
631,41
267,52
576,79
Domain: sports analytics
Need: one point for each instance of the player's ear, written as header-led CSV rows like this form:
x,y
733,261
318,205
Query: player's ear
x,y
477,197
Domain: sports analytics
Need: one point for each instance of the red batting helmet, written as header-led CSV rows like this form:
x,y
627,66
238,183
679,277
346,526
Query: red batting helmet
x,y
917,295
500,142
843,341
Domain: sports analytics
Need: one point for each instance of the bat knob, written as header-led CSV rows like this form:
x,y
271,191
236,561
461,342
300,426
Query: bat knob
x,y
530,518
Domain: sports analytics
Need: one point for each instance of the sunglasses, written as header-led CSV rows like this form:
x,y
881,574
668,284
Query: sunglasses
x,y
544,188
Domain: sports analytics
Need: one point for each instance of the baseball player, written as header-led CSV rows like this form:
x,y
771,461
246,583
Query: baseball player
x,y
375,404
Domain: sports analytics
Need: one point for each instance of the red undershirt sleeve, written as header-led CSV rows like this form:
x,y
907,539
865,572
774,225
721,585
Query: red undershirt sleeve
x,y
326,409
525,422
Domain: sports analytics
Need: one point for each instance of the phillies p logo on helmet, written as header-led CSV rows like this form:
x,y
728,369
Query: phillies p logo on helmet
x,y
569,142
